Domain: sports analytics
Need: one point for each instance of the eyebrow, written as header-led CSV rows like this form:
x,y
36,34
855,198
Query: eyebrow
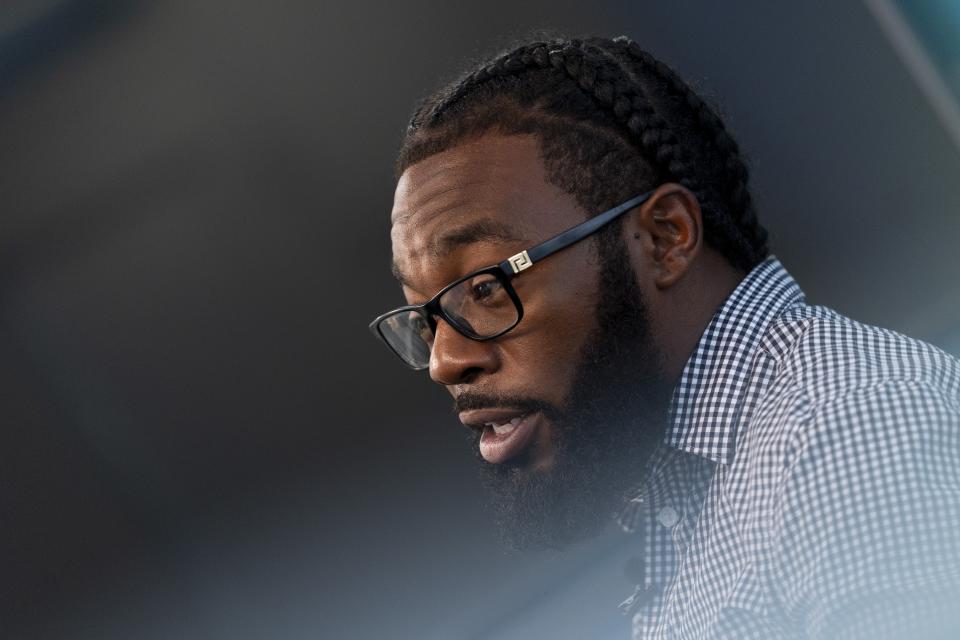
x,y
478,231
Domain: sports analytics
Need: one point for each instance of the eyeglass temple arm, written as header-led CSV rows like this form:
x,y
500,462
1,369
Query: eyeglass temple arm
x,y
526,259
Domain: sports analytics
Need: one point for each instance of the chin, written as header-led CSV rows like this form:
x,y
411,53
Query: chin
x,y
537,508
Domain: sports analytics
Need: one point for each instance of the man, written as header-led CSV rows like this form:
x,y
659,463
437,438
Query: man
x,y
790,472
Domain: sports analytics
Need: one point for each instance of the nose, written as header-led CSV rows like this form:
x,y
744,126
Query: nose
x,y
456,359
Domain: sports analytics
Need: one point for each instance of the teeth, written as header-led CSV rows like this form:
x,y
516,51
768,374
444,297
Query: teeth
x,y
506,427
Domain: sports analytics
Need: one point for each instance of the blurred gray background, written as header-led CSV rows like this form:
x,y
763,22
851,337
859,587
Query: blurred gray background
x,y
200,437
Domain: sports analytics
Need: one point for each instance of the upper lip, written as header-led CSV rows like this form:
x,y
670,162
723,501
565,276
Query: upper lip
x,y
477,418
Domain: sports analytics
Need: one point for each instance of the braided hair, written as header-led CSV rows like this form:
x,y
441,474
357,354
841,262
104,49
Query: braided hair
x,y
612,121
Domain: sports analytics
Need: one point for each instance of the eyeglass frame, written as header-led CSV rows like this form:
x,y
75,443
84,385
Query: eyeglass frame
x,y
505,272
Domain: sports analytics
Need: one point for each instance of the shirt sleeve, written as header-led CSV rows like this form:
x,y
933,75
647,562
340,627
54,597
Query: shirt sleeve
x,y
866,532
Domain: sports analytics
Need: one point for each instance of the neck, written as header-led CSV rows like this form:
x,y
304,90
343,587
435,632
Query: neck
x,y
688,307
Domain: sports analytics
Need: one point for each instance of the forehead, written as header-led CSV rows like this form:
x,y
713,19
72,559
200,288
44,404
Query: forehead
x,y
490,169
487,191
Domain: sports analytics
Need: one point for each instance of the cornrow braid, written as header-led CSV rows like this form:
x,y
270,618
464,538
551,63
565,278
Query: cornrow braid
x,y
612,121
736,192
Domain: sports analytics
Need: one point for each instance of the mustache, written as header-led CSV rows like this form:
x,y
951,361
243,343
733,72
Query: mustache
x,y
470,400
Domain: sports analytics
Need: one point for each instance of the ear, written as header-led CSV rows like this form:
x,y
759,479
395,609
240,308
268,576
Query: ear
x,y
669,228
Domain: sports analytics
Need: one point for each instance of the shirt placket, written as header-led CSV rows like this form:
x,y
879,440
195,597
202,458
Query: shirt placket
x,y
664,516
656,514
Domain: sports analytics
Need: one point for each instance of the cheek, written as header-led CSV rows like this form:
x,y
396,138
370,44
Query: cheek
x,y
559,318
558,347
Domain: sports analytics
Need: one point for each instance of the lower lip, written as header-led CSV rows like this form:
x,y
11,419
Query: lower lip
x,y
496,448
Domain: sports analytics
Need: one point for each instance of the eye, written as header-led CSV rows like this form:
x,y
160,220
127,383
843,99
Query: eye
x,y
482,290
485,289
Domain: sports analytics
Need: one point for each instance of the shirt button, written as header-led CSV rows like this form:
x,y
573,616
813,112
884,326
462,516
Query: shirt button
x,y
668,517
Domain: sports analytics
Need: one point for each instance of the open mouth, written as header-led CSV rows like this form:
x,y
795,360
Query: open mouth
x,y
504,433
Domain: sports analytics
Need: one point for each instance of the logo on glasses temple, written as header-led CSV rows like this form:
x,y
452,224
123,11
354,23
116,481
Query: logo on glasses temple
x,y
520,262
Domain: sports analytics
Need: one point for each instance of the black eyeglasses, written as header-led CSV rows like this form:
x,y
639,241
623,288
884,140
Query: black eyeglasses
x,y
481,305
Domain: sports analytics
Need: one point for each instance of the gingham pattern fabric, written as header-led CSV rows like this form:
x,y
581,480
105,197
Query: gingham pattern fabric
x,y
809,483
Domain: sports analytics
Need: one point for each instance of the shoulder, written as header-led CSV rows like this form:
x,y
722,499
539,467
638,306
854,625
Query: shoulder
x,y
831,358
841,388
856,401
857,442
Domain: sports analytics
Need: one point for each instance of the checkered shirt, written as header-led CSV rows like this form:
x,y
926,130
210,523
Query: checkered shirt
x,y
808,485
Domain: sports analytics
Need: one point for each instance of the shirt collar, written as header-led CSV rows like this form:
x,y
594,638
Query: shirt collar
x,y
707,402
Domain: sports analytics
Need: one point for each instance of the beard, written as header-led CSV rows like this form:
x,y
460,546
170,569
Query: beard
x,y
613,418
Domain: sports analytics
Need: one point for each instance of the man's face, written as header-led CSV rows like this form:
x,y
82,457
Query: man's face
x,y
565,408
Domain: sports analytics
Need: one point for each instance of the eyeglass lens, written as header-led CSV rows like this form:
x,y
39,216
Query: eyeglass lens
x,y
478,307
